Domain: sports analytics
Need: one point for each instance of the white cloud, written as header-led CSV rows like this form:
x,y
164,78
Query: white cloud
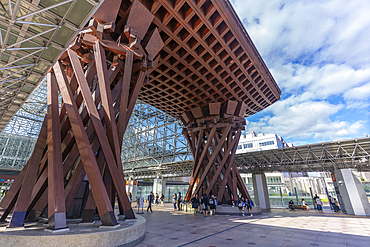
x,y
315,82
306,120
317,52
358,93
296,30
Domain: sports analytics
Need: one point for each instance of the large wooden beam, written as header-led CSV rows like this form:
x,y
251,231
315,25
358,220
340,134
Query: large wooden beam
x,y
87,155
56,203
28,182
106,100
228,168
126,80
83,140
114,170
198,139
213,157
214,154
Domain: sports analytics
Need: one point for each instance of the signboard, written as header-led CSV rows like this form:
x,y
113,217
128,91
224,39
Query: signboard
x,y
333,177
141,202
7,179
337,191
134,182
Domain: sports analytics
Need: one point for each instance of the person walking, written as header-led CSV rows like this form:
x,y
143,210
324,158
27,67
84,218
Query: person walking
x,y
205,203
179,201
332,202
195,203
156,198
162,199
150,201
336,204
212,204
174,200
318,202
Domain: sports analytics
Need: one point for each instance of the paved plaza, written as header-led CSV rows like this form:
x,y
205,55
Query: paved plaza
x,y
279,227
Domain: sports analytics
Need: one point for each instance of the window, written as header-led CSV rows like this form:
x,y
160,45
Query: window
x,y
247,145
274,179
262,144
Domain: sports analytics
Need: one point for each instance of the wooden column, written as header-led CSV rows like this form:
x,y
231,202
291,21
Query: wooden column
x,y
85,136
217,127
56,203
30,175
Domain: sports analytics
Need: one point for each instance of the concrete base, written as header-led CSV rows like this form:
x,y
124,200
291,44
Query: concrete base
x,y
261,193
352,192
56,230
230,210
121,217
127,234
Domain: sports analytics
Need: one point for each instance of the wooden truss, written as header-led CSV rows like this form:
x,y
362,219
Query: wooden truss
x,y
83,135
213,134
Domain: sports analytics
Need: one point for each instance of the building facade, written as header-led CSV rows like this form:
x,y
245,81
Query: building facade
x,y
251,142
283,186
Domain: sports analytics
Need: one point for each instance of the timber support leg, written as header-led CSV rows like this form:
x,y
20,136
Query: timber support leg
x,y
83,137
216,127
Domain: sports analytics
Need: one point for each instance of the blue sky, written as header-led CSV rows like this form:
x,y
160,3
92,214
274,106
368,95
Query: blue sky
x,y
319,54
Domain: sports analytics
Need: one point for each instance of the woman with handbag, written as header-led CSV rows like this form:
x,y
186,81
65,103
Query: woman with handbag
x,y
212,204
205,203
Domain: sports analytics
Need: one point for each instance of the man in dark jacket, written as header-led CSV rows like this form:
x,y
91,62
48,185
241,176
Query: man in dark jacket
x,y
150,201
179,201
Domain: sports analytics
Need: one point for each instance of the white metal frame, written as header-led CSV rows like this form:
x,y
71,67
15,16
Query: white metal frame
x,y
19,57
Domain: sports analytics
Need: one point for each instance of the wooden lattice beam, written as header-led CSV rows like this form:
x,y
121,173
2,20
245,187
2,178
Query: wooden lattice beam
x,y
213,133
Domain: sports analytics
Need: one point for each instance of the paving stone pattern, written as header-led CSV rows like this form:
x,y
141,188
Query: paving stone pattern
x,y
279,227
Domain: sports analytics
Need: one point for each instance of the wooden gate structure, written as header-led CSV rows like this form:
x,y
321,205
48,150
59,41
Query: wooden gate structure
x,y
213,134
190,59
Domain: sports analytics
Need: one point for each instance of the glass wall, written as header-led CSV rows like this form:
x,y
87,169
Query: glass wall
x,y
4,187
144,188
172,189
285,187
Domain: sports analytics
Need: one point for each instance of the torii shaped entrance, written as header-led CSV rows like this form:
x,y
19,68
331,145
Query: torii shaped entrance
x,y
203,69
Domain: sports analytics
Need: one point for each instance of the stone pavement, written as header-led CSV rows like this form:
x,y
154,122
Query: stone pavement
x,y
278,227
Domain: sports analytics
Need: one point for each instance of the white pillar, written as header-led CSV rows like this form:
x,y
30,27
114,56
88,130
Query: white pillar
x,y
159,186
353,193
134,190
131,187
261,194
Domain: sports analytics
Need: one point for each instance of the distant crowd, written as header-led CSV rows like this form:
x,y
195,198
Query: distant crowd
x,y
207,205
333,202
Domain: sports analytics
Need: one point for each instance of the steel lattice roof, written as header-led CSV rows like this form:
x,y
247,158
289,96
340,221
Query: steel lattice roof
x,y
33,36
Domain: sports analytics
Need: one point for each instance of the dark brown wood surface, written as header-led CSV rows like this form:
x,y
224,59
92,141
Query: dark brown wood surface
x,y
190,59
207,58
216,140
